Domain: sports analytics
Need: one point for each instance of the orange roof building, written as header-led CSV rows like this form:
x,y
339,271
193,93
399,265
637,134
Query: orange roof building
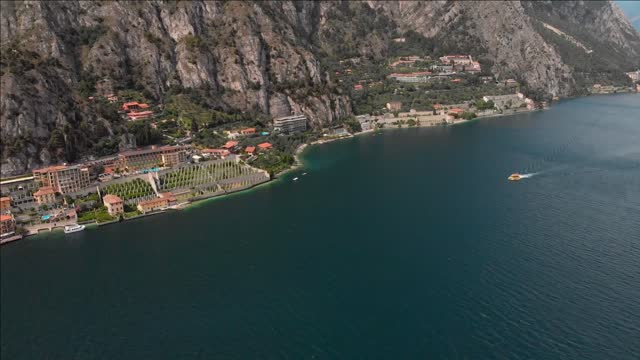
x,y
134,105
114,204
153,205
250,149
5,203
45,195
230,145
7,225
265,146
248,131
455,111
64,179
171,199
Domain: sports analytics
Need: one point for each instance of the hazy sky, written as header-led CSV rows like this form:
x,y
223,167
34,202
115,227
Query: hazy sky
x,y
631,8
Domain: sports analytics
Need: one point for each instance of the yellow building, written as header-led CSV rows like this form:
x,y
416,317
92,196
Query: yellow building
x,y
114,204
46,195
152,157
153,205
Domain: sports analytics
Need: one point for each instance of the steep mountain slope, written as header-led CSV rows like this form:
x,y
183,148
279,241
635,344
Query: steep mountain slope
x,y
261,58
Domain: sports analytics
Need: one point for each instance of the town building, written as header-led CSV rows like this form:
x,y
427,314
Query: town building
x,y
442,69
215,152
46,195
133,115
402,63
394,106
399,40
474,67
171,199
366,122
63,179
510,83
5,204
411,77
455,111
357,87
248,131
634,75
114,204
290,123
505,101
229,145
20,191
250,150
163,156
7,225
457,59
265,146
134,105
153,205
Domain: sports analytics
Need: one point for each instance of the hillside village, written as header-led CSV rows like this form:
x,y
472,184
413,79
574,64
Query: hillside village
x,y
181,151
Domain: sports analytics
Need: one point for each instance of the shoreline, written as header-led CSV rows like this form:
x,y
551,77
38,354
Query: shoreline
x,y
298,163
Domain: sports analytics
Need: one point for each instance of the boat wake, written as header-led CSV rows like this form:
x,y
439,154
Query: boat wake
x,y
530,175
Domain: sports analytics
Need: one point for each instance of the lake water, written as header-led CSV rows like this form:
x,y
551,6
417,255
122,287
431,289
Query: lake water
x,y
404,245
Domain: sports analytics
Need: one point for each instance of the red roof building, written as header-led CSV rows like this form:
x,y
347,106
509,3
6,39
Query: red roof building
x,y
134,105
230,145
265,146
7,225
248,131
114,204
455,111
45,195
5,203
250,149
357,87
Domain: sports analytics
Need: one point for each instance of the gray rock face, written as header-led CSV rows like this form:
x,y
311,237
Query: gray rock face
x,y
245,54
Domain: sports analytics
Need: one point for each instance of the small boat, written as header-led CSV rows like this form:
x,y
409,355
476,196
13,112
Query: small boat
x,y
295,179
514,177
68,229
304,173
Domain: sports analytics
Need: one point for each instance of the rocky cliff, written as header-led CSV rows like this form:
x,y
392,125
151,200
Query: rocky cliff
x,y
258,57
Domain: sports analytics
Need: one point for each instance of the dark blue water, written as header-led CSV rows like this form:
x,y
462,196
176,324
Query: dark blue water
x,y
410,244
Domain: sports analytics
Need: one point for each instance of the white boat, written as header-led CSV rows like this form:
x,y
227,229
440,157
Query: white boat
x,y
68,229
295,178
304,173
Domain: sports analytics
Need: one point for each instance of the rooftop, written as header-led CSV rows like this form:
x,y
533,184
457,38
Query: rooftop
x,y
111,199
230,144
265,145
152,201
6,217
46,190
149,150
50,169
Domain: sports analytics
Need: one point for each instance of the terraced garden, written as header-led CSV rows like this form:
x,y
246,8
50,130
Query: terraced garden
x,y
202,174
133,189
